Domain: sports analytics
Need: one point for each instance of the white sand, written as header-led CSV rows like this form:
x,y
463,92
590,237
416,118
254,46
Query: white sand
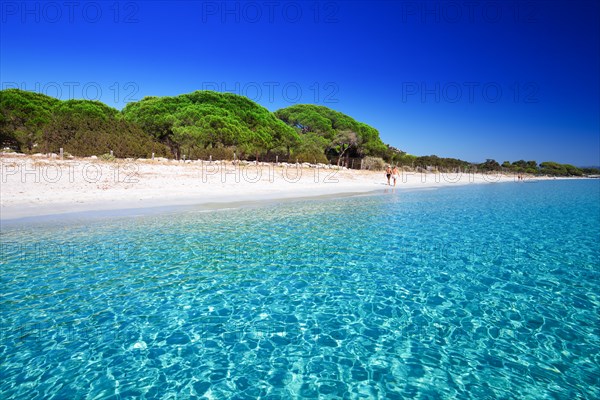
x,y
35,186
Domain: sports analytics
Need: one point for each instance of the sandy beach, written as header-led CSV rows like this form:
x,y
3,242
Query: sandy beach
x,y
36,186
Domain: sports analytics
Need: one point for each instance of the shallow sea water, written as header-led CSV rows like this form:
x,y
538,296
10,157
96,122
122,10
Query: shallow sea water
x,y
487,291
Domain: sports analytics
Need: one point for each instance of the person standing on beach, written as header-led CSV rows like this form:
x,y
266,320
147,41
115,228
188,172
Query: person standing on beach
x,y
395,174
388,174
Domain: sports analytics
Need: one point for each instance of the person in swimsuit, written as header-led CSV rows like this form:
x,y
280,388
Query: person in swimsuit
x,y
388,174
395,174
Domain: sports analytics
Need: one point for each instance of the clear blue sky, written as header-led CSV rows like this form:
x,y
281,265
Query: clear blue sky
x,y
473,80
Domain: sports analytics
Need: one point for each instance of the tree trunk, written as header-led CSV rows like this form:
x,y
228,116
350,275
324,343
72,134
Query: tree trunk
x,y
342,155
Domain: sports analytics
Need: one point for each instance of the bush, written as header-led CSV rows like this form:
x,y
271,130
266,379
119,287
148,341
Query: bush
x,y
84,138
373,163
217,153
310,157
107,157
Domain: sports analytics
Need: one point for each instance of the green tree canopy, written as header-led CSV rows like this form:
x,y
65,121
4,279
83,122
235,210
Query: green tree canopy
x,y
23,115
205,122
556,169
204,119
35,122
343,134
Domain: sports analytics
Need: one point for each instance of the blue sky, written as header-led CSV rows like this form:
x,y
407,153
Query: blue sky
x,y
473,80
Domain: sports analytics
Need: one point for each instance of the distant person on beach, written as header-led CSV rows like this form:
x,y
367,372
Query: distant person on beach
x,y
388,174
395,174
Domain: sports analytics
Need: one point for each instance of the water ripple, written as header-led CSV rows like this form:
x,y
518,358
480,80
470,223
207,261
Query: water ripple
x,y
478,292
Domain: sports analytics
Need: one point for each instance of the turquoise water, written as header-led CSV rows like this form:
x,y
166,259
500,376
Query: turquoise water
x,y
489,291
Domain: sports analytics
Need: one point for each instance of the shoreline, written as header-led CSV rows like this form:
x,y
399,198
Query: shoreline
x,y
42,187
86,214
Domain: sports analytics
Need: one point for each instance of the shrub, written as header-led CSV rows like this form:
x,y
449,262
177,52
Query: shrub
x,y
107,157
310,157
373,163
217,153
